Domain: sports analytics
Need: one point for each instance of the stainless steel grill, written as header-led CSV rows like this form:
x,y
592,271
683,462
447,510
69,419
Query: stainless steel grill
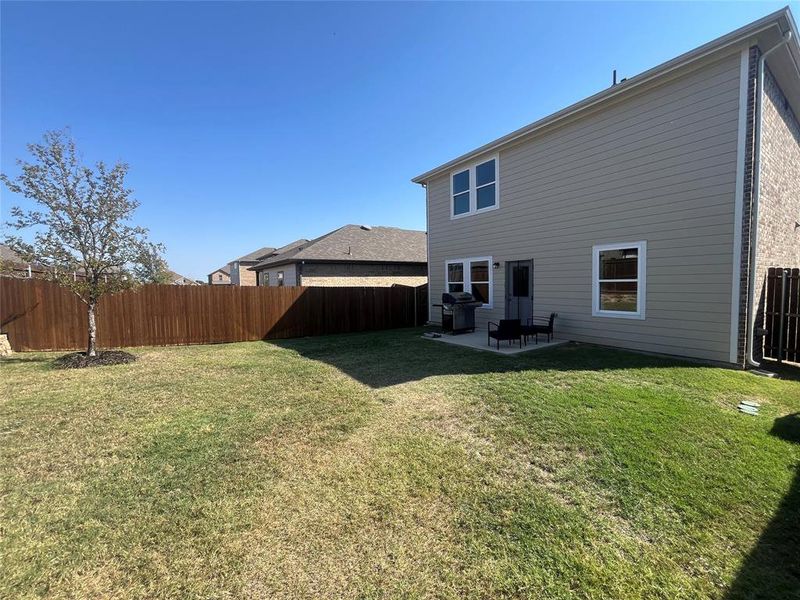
x,y
458,311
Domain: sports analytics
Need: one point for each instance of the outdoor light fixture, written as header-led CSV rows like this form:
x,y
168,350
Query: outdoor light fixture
x,y
496,265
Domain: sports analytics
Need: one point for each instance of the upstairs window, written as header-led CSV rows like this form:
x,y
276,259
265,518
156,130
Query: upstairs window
x,y
461,193
618,280
474,189
280,278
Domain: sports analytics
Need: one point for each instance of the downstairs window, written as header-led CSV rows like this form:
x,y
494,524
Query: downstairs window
x,y
618,280
473,275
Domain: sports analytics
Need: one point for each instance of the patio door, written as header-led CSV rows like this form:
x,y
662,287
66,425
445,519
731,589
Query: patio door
x,y
519,289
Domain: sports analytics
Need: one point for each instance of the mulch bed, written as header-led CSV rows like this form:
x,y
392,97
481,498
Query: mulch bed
x,y
79,360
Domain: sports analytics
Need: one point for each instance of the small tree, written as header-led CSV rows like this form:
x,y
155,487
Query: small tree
x,y
151,266
82,231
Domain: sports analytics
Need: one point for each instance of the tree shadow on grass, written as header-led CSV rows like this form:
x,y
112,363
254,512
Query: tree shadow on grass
x,y
382,359
772,570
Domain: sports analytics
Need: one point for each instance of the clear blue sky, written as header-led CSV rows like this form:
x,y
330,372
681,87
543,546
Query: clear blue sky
x,y
252,124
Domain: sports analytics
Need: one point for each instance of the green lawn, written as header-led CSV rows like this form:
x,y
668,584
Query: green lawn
x,y
386,465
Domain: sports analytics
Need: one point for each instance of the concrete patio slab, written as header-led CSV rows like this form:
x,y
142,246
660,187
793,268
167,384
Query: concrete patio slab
x,y
477,341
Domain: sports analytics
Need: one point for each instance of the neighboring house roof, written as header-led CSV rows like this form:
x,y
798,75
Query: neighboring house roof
x,y
284,253
292,246
356,243
178,279
8,255
226,269
16,262
767,31
257,255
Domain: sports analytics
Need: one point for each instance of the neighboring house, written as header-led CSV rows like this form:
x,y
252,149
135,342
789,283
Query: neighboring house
x,y
283,274
12,263
221,276
240,272
632,213
178,279
353,255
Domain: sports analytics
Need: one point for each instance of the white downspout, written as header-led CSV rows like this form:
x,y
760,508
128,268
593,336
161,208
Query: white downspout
x,y
751,288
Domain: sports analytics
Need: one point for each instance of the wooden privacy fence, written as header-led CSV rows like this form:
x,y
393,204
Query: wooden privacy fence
x,y
40,315
782,315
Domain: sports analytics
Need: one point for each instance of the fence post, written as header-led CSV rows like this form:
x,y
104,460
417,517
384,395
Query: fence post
x,y
415,306
782,318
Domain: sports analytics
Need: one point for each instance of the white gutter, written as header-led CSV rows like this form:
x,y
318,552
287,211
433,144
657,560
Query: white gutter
x,y
751,325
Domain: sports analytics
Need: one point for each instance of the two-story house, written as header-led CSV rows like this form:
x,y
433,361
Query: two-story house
x,y
645,215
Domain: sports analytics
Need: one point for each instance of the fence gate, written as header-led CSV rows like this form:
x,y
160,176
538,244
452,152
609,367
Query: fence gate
x,y
782,315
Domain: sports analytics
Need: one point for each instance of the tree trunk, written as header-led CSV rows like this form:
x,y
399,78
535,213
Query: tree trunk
x,y
92,349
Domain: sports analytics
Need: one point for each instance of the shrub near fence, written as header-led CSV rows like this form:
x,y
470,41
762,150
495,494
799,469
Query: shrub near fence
x,y
40,315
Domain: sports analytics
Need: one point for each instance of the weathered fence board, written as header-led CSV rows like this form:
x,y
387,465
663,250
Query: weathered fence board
x,y
782,315
40,315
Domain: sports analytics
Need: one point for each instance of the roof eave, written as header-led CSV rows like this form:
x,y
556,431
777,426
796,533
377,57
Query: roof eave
x,y
282,263
732,38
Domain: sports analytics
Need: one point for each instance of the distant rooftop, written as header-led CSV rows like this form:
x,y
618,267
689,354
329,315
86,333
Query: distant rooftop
x,y
356,243
8,255
257,255
224,269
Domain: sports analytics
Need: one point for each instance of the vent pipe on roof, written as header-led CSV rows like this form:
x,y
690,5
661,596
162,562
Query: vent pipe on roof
x,y
614,78
366,228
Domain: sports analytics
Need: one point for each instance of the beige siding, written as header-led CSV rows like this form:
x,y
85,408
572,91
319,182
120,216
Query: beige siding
x,y
658,166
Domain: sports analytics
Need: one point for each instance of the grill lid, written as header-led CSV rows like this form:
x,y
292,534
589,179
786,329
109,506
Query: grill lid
x,y
457,298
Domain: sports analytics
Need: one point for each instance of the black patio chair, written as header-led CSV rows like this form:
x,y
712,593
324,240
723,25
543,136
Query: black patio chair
x,y
537,325
506,330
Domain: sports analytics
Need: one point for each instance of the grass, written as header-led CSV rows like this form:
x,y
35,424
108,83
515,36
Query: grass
x,y
385,465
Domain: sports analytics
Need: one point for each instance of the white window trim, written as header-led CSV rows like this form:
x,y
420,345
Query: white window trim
x,y
641,280
468,275
473,188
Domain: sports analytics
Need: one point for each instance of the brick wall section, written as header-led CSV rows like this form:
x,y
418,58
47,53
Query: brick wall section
x,y
240,275
779,201
779,207
246,277
748,204
344,275
214,279
779,204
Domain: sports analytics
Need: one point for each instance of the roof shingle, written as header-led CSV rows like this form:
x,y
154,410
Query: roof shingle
x,y
356,243
256,255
